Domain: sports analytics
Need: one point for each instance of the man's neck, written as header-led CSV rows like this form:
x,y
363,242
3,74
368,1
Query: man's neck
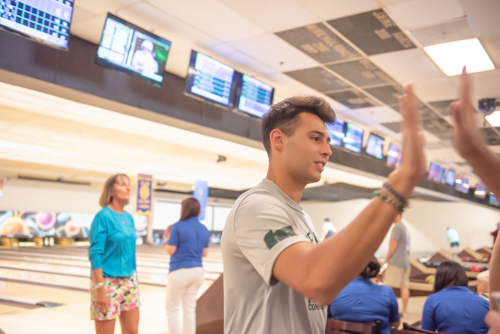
x,y
292,188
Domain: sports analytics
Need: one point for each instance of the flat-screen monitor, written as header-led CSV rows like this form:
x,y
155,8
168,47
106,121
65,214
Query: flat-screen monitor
x,y
336,131
46,21
375,146
493,200
353,139
441,177
393,155
433,171
210,79
253,96
130,49
480,191
450,177
462,184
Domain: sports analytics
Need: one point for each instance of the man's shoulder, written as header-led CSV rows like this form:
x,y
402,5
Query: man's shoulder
x,y
259,198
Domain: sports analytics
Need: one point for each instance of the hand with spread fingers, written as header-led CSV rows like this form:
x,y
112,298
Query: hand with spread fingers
x,y
466,136
412,167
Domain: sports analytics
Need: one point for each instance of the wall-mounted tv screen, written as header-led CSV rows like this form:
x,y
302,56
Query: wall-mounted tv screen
x,y
450,177
441,177
480,191
393,155
375,146
462,184
493,200
210,79
433,171
46,21
130,49
253,96
353,139
336,131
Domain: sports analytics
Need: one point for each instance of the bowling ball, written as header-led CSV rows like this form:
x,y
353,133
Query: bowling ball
x,y
45,220
476,269
469,259
14,225
430,279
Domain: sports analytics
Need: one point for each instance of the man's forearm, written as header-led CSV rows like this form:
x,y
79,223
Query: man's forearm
x,y
487,166
495,273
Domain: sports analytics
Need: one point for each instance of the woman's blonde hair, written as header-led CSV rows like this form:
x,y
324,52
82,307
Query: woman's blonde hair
x,y
107,191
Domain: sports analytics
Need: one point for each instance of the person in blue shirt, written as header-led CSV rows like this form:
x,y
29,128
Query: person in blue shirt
x,y
363,301
114,286
454,239
454,308
187,244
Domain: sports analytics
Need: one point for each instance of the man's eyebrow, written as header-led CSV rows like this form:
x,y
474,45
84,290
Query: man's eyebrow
x,y
321,133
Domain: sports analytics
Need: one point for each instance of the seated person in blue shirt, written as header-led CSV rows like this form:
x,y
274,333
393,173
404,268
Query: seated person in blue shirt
x,y
454,308
363,301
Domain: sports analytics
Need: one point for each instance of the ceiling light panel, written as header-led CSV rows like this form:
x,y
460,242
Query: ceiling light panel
x,y
453,56
494,119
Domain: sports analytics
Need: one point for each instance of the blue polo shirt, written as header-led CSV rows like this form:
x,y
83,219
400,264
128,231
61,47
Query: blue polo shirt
x,y
190,237
112,243
455,310
363,301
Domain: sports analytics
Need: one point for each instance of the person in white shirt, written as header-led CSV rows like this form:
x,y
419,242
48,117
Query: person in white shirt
x,y
143,60
277,277
328,230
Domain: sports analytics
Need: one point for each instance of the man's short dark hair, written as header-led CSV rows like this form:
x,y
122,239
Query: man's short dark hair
x,y
449,274
283,115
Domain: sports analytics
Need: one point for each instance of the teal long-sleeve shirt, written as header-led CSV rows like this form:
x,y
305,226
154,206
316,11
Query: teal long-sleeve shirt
x,y
112,243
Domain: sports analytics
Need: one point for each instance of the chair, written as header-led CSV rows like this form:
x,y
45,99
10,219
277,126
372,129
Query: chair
x,y
334,326
408,329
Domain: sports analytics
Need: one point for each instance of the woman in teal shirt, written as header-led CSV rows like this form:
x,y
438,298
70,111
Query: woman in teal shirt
x,y
114,286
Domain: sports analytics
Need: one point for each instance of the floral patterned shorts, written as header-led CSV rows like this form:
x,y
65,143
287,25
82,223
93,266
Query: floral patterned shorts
x,y
123,295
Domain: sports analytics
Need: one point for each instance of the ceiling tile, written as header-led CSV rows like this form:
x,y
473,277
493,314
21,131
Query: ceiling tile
x,y
103,6
80,13
484,14
435,89
182,31
492,46
210,16
332,9
444,33
426,113
421,13
145,16
284,57
89,29
362,73
373,32
395,127
386,94
484,85
319,43
408,65
380,114
353,99
435,126
276,15
443,107
318,78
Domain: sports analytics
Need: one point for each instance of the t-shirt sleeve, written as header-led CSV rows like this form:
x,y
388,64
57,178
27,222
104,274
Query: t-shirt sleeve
x,y
428,322
97,238
396,232
393,306
263,230
173,240
207,232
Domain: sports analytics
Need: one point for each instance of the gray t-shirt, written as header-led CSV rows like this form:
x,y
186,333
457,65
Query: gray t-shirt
x,y
262,223
401,257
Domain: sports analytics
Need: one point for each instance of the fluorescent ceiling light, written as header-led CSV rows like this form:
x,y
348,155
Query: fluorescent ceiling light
x,y
453,56
494,119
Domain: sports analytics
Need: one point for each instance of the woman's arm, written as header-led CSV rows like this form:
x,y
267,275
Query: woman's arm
x,y
205,251
170,249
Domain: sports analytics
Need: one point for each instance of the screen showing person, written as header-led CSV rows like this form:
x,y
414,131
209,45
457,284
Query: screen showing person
x,y
353,139
393,155
375,146
133,50
480,191
336,131
254,96
462,184
441,176
450,177
46,21
210,79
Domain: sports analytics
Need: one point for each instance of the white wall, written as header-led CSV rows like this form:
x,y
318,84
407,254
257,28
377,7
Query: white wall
x,y
426,221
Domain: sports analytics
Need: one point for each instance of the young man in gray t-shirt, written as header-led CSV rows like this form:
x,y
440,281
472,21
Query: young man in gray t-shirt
x,y
397,274
277,278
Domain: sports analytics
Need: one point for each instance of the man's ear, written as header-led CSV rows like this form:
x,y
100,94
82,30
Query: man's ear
x,y
277,138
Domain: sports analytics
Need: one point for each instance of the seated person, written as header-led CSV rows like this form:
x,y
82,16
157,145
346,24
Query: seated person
x,y
363,301
454,308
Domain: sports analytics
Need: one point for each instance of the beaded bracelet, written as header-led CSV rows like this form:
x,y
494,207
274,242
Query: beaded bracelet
x,y
388,197
395,194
